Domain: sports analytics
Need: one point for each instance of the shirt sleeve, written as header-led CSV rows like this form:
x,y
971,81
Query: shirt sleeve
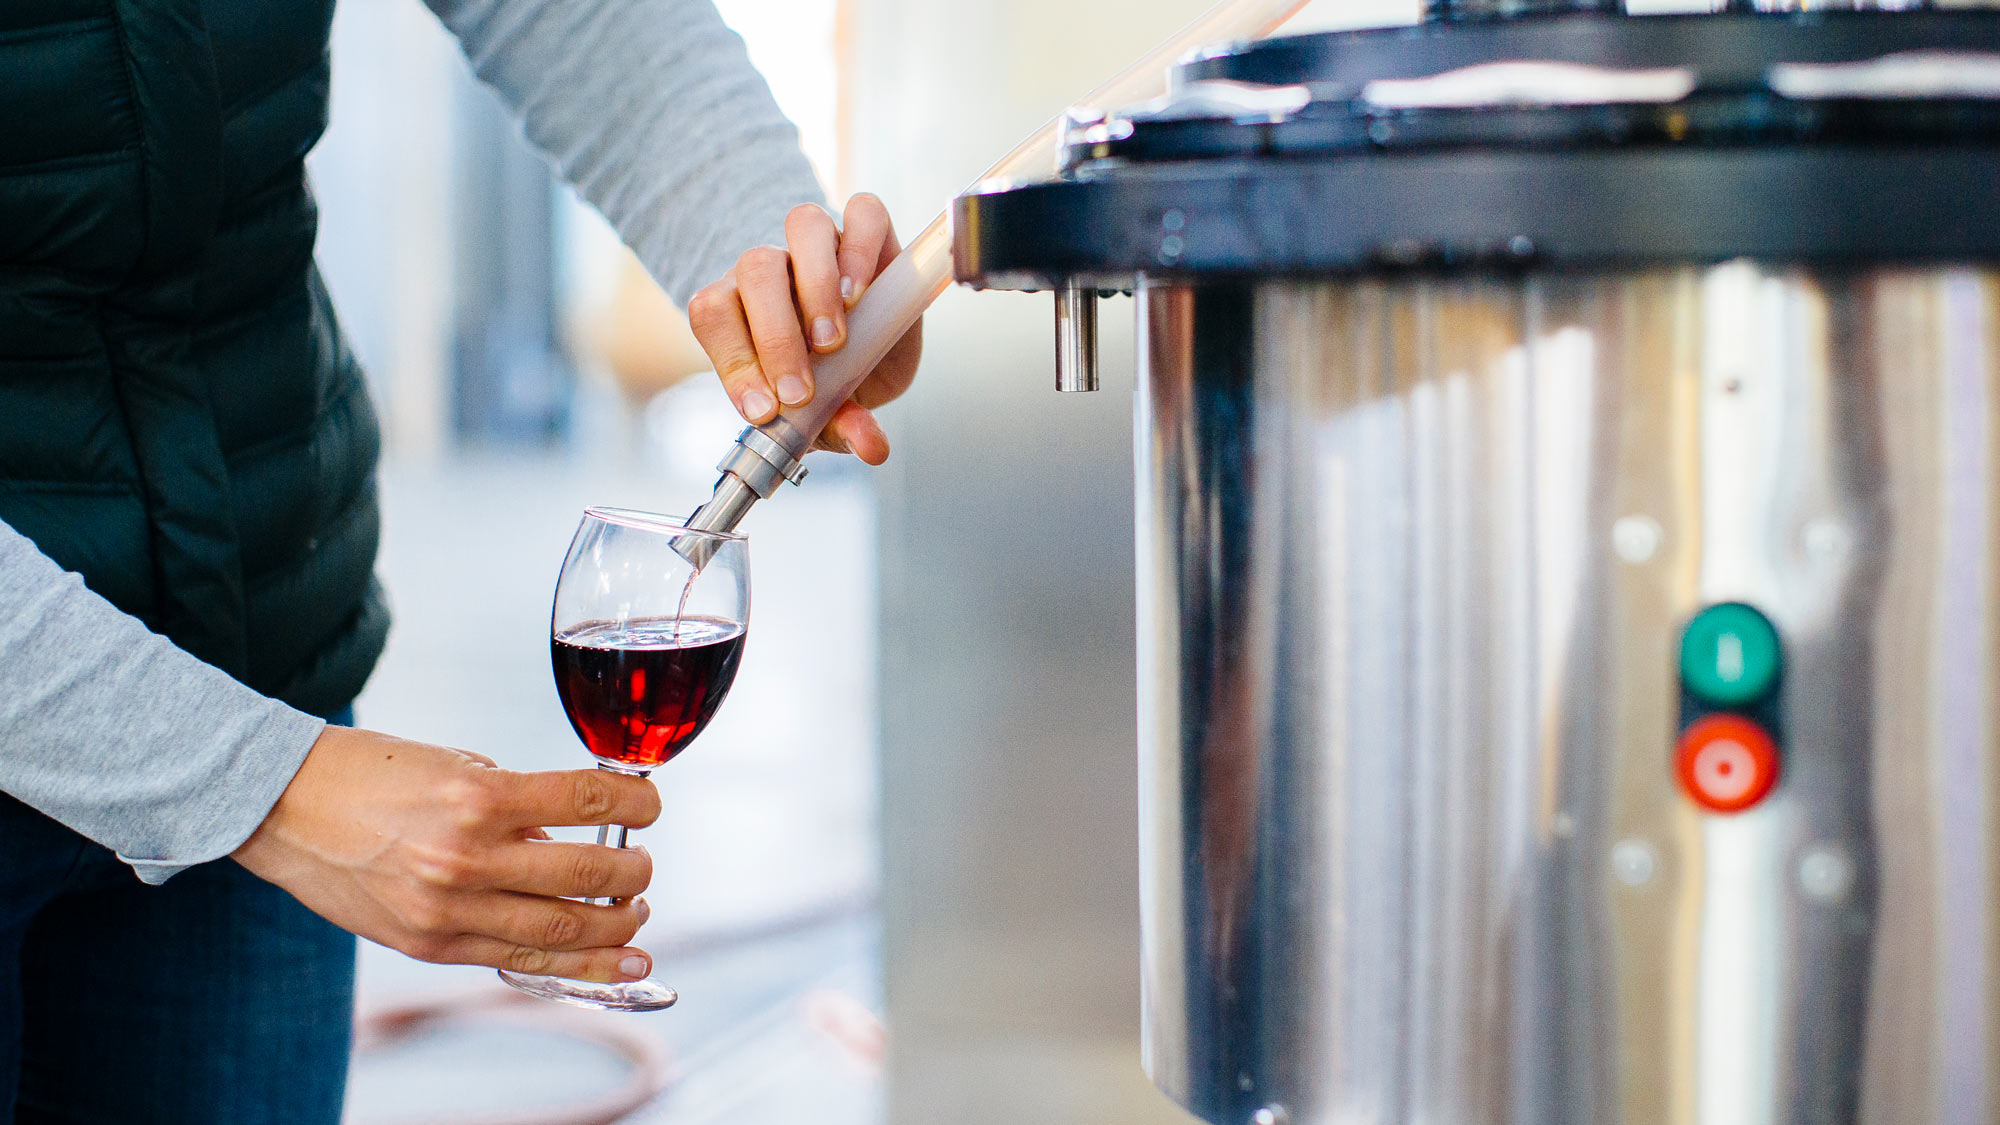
x,y
653,111
112,730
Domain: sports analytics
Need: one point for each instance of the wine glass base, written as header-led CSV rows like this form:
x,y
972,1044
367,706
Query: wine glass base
x,y
633,996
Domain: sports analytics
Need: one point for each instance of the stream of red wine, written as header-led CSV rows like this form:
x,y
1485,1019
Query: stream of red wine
x,y
680,613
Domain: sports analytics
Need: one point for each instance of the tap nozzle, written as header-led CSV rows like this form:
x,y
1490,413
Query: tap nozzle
x,y
755,466
1076,338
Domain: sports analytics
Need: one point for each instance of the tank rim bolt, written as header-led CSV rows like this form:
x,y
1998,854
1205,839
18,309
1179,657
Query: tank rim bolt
x,y
1634,862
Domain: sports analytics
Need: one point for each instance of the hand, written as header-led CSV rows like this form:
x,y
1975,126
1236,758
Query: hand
x,y
439,854
765,318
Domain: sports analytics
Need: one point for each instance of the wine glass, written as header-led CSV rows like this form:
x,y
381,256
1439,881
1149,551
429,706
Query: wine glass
x,y
647,632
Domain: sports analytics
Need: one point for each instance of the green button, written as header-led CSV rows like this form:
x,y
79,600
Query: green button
x,y
1730,655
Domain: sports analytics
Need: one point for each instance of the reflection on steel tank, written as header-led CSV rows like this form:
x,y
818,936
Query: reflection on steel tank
x,y
1568,462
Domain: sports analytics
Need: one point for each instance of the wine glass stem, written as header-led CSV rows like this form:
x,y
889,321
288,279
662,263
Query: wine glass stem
x,y
612,835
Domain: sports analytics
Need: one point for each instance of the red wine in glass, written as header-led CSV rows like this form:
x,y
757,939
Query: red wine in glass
x,y
646,634
638,691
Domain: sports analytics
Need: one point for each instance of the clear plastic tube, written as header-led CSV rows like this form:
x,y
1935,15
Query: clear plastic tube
x,y
896,300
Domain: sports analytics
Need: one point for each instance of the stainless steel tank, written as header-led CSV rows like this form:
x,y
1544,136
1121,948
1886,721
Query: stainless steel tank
x,y
1569,613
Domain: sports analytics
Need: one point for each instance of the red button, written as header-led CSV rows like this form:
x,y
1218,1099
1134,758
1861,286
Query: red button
x,y
1727,763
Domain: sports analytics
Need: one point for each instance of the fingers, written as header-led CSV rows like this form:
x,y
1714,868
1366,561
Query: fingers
x,y
855,430
605,966
764,285
865,236
761,324
716,315
555,925
867,246
506,929
546,867
576,797
815,247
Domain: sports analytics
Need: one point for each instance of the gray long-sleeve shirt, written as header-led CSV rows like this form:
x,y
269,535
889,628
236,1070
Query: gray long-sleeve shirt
x,y
652,109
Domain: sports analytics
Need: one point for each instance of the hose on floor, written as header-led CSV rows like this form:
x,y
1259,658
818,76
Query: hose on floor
x,y
652,1064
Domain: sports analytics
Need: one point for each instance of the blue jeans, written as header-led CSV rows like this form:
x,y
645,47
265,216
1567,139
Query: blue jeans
x,y
213,998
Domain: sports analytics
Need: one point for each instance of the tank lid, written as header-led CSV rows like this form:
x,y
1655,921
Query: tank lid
x,y
1729,50
1581,139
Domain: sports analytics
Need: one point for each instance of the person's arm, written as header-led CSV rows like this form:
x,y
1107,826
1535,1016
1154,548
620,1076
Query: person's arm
x,y
113,731
652,109
110,729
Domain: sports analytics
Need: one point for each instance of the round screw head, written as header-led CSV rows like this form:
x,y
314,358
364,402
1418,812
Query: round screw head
x,y
1637,539
1634,862
1826,874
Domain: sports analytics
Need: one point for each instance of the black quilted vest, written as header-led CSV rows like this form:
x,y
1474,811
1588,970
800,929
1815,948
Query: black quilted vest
x,y
180,420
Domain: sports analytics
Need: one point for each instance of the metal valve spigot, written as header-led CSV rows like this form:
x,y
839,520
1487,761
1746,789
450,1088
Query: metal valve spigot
x,y
754,467
1076,338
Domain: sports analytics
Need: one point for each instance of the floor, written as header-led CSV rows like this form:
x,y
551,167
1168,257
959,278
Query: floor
x,y
764,898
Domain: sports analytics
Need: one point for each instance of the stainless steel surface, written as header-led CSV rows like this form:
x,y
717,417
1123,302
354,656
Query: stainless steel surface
x,y
1917,74
1675,7
1205,99
761,459
1413,561
1532,83
1495,9
1073,125
1864,5
762,462
1076,338
1681,7
726,507
1685,7
783,452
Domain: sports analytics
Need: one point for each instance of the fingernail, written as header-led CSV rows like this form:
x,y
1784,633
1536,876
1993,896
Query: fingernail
x,y
847,288
756,404
824,333
645,910
636,966
791,390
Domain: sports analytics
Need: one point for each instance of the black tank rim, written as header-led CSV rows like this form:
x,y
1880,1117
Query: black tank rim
x,y
1734,171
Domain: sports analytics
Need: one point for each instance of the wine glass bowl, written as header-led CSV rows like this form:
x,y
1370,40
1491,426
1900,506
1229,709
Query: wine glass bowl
x,y
645,644
637,693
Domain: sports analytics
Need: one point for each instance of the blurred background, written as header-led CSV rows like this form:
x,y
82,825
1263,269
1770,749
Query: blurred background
x,y
897,877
